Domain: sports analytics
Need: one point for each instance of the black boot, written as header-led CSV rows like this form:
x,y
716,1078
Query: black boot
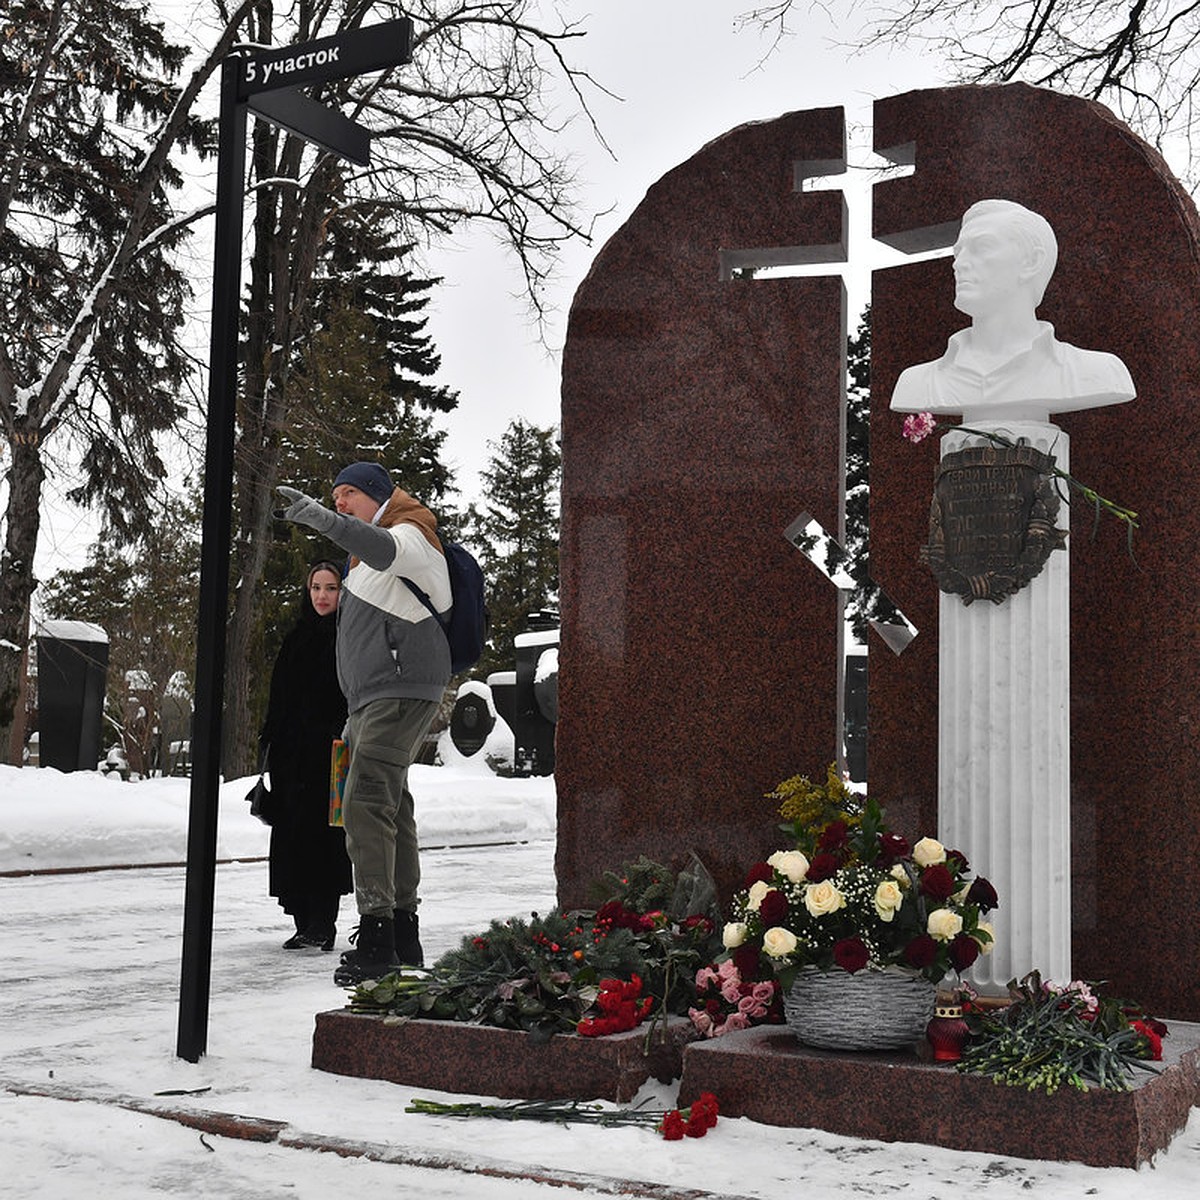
x,y
408,943
373,956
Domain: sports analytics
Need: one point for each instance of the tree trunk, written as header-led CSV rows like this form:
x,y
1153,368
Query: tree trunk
x,y
25,480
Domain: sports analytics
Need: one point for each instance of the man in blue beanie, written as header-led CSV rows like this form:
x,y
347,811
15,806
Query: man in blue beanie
x,y
393,666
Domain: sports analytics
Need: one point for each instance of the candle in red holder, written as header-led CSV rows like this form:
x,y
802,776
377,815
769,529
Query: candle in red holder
x,y
947,1032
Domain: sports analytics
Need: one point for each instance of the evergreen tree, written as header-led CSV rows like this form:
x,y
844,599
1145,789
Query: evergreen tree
x,y
91,297
360,391
144,599
867,603
517,534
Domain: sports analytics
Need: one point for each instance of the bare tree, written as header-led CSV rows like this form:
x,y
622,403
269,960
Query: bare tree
x,y
96,107
1140,57
463,133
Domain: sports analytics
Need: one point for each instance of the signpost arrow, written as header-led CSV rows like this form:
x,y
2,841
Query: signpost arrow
x,y
357,52
296,113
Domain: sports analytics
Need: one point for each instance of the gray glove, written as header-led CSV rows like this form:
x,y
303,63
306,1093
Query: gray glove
x,y
303,510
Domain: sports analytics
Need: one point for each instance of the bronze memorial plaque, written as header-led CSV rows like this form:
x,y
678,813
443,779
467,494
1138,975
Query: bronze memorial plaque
x,y
991,521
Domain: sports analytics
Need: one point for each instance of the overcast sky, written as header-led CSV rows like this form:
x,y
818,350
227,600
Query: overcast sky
x,y
685,74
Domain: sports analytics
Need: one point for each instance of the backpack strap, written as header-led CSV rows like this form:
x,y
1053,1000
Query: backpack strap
x,y
425,600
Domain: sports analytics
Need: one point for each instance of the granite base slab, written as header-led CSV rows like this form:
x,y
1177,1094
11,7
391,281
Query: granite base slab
x,y
766,1075
481,1060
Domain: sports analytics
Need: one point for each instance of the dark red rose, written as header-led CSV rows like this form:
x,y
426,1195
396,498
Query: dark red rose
x,y
921,951
773,908
833,836
956,860
936,882
823,866
892,848
850,954
761,872
964,950
746,959
982,893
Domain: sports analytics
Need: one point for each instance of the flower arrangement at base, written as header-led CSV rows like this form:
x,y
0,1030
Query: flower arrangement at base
x,y
591,972
850,894
694,1121
1056,1034
726,1002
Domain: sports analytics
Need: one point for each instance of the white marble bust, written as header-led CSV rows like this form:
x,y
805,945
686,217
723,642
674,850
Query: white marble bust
x,y
1007,364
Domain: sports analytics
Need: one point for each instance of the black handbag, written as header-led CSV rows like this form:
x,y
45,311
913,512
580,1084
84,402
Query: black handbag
x,y
259,796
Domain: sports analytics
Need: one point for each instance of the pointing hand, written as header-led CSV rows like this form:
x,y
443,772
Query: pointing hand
x,y
303,510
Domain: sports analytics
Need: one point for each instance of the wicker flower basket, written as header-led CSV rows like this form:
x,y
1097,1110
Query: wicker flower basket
x,y
869,1010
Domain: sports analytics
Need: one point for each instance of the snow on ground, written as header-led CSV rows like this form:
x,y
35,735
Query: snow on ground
x,y
91,994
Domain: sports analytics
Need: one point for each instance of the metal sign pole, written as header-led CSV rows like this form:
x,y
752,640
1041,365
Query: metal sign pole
x,y
278,71
214,574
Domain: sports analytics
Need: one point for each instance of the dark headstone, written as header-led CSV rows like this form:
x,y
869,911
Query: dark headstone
x,y
701,416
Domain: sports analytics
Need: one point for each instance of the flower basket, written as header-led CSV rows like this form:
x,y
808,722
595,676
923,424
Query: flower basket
x,y
867,1010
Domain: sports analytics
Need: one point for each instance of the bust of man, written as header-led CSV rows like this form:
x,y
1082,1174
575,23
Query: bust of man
x,y
1008,365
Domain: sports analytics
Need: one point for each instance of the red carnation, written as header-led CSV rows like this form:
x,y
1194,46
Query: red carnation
x,y
936,882
822,867
921,951
964,950
761,872
850,954
1153,1038
773,908
983,894
672,1127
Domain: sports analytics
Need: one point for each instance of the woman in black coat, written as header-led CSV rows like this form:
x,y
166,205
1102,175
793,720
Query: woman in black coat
x,y
309,868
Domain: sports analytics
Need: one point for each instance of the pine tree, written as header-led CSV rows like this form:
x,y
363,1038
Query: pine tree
x,y
144,598
517,534
92,299
360,391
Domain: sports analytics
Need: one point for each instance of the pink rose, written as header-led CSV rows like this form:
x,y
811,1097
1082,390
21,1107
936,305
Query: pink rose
x,y
701,1020
736,1020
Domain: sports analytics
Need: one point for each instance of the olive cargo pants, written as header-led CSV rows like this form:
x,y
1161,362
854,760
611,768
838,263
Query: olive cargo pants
x,y
381,830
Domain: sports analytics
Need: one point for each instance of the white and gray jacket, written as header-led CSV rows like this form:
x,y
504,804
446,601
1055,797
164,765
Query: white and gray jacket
x,y
388,643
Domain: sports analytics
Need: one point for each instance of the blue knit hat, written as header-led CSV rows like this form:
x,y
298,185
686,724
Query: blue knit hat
x,y
369,478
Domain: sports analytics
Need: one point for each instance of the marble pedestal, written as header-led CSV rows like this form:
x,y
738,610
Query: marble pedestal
x,y
1004,766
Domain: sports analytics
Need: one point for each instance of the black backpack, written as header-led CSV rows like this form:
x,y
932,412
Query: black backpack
x,y
467,629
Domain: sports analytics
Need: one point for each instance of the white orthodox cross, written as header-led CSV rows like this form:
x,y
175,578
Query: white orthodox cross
x,y
854,175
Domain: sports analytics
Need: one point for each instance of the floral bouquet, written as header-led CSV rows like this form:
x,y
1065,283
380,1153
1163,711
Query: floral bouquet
x,y
725,1001
853,895
1055,1034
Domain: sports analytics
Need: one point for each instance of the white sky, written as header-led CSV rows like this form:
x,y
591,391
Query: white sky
x,y
685,75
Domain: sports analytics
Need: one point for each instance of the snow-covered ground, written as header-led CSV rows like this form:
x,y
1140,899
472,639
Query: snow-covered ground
x,y
91,992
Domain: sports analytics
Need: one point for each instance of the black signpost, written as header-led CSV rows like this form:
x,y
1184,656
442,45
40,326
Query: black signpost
x,y
265,83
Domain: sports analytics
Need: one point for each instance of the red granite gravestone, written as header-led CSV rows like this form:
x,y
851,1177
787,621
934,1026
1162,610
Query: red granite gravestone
x,y
702,414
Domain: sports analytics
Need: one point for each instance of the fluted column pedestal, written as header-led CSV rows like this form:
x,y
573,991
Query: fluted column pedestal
x,y
1004,748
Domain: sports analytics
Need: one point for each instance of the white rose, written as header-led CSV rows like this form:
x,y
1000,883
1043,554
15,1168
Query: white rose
x,y
734,934
791,864
929,851
988,928
900,875
888,898
823,898
779,942
944,924
755,897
